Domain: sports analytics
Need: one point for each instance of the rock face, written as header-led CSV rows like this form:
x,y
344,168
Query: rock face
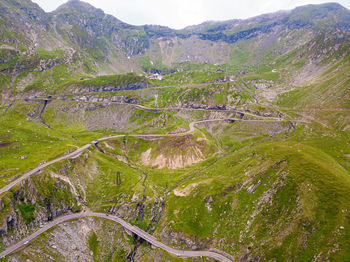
x,y
94,25
70,242
92,40
110,99
111,88
50,63
261,84
29,207
177,238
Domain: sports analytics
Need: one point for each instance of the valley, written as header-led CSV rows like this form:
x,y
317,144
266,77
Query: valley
x,y
224,141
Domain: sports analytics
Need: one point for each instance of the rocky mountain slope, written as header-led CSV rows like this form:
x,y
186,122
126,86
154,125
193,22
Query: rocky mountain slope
x,y
242,148
81,40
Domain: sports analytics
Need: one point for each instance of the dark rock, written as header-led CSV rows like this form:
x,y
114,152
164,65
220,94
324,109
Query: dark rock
x,y
3,233
1,205
10,222
95,107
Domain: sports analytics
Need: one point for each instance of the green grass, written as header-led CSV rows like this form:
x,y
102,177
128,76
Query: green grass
x,y
101,185
306,185
36,143
331,90
27,211
112,80
270,76
230,213
54,191
301,181
188,77
207,95
44,54
93,244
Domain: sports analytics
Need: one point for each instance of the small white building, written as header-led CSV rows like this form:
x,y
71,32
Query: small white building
x,y
156,77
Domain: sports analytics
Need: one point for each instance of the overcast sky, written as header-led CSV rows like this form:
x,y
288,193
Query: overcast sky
x,y
181,13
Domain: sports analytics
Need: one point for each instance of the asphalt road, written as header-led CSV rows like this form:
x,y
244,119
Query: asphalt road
x,y
144,235
163,109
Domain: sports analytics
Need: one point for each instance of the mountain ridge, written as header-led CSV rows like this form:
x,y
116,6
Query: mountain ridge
x,y
96,43
330,6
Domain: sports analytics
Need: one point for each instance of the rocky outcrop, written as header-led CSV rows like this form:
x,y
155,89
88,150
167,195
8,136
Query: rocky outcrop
x,y
242,35
30,207
100,43
50,63
112,88
263,112
261,84
89,28
178,239
109,99
195,105
223,79
69,242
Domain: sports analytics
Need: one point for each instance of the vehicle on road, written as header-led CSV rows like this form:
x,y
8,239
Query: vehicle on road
x,y
25,243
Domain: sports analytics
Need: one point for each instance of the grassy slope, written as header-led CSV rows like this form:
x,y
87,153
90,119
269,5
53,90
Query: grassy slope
x,y
299,208
295,212
330,90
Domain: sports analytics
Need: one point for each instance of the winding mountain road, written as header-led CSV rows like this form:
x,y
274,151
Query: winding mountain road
x,y
80,150
142,234
165,109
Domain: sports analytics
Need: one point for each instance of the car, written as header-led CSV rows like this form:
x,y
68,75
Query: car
x,y
25,243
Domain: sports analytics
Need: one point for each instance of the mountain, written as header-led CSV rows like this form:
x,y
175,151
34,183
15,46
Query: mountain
x,y
80,37
229,136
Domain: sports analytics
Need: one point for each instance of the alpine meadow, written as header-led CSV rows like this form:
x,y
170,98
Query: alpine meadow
x,y
223,141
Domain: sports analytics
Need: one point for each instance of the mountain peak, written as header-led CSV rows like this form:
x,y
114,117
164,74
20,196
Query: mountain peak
x,y
330,5
79,6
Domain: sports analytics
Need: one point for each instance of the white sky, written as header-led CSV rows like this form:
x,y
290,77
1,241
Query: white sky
x,y
181,13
